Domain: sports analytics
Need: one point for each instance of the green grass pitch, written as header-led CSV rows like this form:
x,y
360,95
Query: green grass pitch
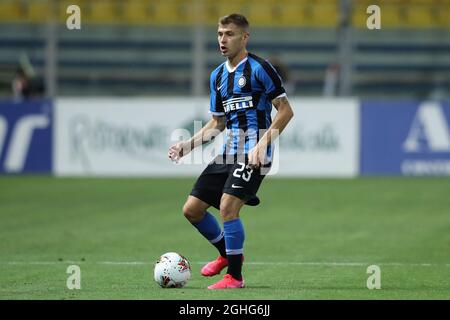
x,y
309,239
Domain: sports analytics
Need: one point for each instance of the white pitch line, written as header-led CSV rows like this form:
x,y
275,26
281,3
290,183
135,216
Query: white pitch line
x,y
125,263
262,263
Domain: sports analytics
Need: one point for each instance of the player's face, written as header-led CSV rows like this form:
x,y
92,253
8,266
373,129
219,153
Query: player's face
x,y
232,39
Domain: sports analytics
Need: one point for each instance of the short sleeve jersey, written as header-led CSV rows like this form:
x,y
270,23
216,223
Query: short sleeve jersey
x,y
245,96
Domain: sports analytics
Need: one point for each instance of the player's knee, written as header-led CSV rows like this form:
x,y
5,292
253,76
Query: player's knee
x,y
191,213
188,212
228,211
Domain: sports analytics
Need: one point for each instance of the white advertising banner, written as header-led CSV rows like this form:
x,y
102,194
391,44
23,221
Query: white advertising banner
x,y
126,136
131,137
322,140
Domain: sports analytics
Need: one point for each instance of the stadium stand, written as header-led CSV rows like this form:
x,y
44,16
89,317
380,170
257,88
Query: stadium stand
x,y
145,47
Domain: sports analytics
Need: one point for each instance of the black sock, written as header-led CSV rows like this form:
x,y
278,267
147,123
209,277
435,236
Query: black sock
x,y
235,266
220,245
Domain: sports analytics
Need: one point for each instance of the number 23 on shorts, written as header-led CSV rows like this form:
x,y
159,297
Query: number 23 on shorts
x,y
243,172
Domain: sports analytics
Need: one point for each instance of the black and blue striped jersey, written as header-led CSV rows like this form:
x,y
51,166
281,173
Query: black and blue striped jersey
x,y
244,95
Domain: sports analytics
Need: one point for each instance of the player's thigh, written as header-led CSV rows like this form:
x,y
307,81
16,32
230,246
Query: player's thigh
x,y
209,185
194,209
243,182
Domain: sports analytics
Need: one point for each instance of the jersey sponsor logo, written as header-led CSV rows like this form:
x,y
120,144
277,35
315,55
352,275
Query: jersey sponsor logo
x,y
238,103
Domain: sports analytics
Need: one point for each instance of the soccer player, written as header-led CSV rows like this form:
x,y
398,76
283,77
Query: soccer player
x,y
243,90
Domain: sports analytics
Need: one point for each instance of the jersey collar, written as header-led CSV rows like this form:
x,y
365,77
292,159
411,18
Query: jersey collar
x,y
230,70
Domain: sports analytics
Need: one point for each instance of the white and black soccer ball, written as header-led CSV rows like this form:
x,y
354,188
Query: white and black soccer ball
x,y
172,270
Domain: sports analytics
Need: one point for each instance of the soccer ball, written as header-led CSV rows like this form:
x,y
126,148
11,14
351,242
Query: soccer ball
x,y
172,270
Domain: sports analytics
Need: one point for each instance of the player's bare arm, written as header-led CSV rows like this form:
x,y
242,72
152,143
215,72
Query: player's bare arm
x,y
209,131
282,118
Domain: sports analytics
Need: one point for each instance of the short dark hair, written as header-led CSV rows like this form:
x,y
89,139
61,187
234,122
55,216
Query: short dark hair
x,y
237,19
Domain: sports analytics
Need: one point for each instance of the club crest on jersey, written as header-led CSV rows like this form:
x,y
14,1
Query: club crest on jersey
x,y
242,81
238,103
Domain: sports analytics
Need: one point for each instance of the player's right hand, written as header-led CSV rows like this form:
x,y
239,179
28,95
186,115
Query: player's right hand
x,y
177,151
